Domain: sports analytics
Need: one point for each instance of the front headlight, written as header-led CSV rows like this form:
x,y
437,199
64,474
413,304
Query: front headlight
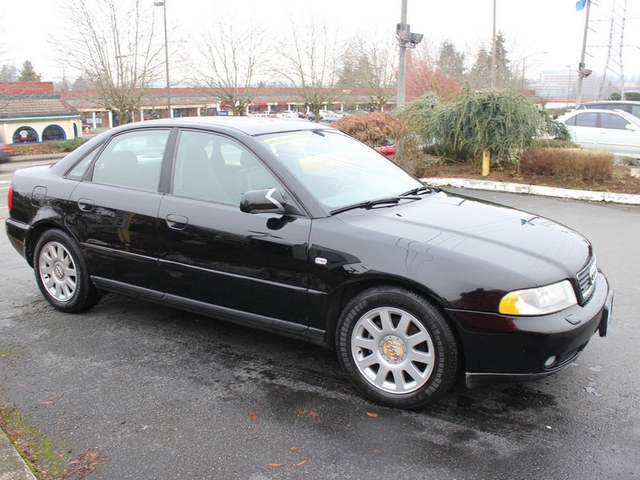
x,y
539,301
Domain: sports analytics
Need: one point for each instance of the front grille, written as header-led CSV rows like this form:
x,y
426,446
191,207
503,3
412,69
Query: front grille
x,y
587,279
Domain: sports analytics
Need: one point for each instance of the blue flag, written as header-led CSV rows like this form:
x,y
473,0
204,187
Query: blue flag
x,y
580,4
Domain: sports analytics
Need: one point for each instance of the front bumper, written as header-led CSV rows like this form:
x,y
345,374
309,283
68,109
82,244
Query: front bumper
x,y
499,348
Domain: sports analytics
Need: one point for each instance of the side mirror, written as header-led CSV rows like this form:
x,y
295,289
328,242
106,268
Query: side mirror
x,y
632,127
268,200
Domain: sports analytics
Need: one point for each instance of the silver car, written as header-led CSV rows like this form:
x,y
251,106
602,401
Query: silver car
x,y
615,131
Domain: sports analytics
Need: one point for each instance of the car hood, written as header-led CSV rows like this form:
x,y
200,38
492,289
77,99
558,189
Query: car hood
x,y
449,240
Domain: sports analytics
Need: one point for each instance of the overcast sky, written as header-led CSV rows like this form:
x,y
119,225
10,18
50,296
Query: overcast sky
x,y
547,33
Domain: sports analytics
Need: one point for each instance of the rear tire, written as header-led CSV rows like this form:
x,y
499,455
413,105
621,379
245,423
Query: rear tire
x,y
61,273
397,347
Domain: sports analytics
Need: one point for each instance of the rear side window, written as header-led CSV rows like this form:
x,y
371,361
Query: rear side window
x,y
132,160
78,172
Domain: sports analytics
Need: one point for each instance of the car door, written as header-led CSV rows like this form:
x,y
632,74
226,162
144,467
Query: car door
x,y
584,129
618,135
114,211
215,258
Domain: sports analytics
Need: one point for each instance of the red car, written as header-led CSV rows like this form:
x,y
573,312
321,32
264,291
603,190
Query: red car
x,y
5,151
388,151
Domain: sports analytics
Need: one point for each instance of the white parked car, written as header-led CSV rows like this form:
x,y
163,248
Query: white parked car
x,y
613,130
328,116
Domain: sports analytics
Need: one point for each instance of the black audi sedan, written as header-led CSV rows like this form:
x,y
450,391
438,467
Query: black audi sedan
x,y
296,228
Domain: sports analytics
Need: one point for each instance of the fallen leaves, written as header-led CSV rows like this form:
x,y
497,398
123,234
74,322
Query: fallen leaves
x,y
282,465
311,413
54,396
86,463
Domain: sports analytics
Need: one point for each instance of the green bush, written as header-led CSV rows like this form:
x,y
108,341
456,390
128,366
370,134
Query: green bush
x,y
70,145
502,121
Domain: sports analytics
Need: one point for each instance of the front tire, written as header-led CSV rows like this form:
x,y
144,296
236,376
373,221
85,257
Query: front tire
x,y
61,273
397,347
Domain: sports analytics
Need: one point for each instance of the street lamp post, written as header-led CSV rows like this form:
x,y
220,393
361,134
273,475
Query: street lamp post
x,y
524,60
166,53
406,39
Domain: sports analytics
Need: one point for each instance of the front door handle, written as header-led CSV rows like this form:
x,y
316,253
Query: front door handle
x,y
177,222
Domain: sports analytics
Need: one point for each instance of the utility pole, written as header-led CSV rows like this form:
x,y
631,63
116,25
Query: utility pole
x,y
166,53
402,61
494,49
582,71
406,39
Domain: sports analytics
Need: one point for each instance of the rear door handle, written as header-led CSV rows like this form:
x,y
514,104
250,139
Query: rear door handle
x,y
85,204
177,222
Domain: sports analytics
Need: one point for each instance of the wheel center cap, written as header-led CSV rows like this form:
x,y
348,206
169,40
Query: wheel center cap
x,y
393,349
58,271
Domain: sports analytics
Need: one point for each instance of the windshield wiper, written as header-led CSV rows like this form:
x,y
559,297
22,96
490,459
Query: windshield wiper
x,y
369,204
421,190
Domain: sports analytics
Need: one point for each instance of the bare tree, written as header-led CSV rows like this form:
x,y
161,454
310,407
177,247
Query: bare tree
x,y
310,58
112,43
369,66
234,56
382,59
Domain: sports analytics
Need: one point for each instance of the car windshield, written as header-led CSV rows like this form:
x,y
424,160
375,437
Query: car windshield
x,y
338,170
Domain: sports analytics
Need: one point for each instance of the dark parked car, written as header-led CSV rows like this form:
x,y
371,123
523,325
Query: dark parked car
x,y
297,228
628,106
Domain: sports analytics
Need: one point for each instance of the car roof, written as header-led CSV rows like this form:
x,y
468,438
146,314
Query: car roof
x,y
595,110
248,125
612,102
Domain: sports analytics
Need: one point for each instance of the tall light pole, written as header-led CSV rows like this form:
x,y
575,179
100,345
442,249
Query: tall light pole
x,y
494,49
582,71
406,39
166,54
524,61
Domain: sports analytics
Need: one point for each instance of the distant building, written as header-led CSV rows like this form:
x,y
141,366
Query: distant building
x,y
32,112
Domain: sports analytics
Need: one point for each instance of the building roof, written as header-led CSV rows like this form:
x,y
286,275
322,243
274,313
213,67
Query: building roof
x,y
29,106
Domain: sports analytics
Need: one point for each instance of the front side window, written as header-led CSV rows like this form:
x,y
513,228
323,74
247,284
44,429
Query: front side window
x,y
610,120
216,168
132,159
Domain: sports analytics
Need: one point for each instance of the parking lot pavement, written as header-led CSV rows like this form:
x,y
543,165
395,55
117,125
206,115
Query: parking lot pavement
x,y
571,411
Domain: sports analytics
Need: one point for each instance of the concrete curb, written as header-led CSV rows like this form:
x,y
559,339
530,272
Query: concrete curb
x,y
584,195
12,466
